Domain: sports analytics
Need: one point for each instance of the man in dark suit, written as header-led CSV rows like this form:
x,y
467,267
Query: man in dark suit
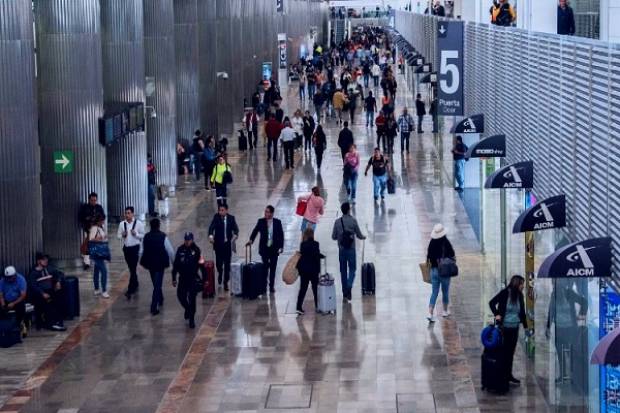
x,y
223,231
271,242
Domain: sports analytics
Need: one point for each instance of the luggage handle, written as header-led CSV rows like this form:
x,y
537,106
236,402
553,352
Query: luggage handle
x,y
363,250
248,248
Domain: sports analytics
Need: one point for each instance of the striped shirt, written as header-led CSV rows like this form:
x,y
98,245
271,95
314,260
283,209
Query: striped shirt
x,y
405,123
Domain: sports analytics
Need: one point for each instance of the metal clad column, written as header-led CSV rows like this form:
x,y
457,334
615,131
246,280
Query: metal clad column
x,y
123,81
70,104
207,70
160,64
20,190
186,51
224,63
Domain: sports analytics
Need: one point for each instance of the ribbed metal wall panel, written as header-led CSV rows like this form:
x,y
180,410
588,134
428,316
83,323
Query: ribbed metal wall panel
x,y
207,70
123,81
159,63
20,186
70,104
224,63
187,61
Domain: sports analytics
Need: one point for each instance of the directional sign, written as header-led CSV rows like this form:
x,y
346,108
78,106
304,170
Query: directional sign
x,y
279,6
450,57
63,162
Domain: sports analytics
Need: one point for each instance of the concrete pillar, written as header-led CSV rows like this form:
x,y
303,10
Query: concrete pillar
x,y
206,66
20,186
70,105
159,64
123,81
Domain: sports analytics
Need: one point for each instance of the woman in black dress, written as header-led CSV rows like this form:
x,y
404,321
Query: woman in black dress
x,y
309,267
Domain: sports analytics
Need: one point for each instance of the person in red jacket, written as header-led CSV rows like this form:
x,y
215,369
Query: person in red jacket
x,y
380,122
272,131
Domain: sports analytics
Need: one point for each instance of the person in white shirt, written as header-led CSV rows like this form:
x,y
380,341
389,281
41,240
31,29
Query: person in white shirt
x,y
375,70
288,142
131,232
298,124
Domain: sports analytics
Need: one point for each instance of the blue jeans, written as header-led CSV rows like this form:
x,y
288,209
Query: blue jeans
x,y
302,92
366,79
347,269
379,184
100,270
370,118
151,199
351,184
459,172
404,141
307,224
311,89
157,277
444,283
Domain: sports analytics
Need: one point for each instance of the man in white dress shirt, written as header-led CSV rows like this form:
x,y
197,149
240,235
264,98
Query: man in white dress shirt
x,y
131,232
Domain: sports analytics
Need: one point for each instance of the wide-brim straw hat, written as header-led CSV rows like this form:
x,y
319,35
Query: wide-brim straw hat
x,y
438,232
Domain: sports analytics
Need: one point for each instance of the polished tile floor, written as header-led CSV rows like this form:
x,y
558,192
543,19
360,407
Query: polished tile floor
x,y
377,354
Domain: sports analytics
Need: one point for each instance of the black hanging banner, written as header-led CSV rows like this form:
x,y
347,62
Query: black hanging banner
x,y
517,175
279,6
590,258
491,147
549,213
472,124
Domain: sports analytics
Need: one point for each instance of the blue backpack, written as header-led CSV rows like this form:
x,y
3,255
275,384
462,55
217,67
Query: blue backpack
x,y
491,337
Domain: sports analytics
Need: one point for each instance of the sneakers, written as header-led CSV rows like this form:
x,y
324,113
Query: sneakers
x,y
430,318
445,314
105,294
97,293
300,312
58,327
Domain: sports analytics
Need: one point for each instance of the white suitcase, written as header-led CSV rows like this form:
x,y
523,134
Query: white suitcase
x,y
326,294
235,279
163,208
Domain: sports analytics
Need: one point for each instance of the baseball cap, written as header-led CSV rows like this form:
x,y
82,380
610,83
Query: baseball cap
x,y
10,271
189,236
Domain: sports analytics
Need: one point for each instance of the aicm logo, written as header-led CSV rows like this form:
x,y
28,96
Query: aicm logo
x,y
581,255
513,175
544,212
469,126
489,152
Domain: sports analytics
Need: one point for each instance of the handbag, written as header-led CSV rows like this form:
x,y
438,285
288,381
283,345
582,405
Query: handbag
x,y
302,206
425,269
99,250
447,266
290,274
198,283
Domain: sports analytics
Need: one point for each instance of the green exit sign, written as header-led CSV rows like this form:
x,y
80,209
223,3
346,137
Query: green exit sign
x,y
63,162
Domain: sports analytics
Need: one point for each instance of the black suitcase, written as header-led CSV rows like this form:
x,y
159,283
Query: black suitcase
x,y
494,376
368,275
10,333
243,141
71,297
391,185
253,277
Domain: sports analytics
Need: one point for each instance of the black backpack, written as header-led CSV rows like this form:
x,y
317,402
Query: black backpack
x,y
348,238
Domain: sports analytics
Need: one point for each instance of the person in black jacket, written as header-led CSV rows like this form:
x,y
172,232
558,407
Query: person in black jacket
x,y
319,140
186,265
420,110
439,247
156,254
309,267
46,293
308,130
271,242
566,19
223,231
345,139
508,306
86,218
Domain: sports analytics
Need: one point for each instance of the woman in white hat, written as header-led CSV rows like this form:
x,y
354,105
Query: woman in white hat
x,y
438,248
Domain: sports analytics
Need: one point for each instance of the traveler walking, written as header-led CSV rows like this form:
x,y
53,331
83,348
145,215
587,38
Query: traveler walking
x,y
309,267
156,255
311,81
131,232
297,124
197,149
376,73
352,99
13,288
318,99
288,143
566,19
223,232
308,130
405,125
45,287
380,166
344,232
152,184
302,85
350,172
186,265
98,234
86,217
320,144
209,158
339,100
458,153
271,242
370,106
345,139
273,128
420,109
391,130
508,306
221,177
314,208
381,130
438,248
251,126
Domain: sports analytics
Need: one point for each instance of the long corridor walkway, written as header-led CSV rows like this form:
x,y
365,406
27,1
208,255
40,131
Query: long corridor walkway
x,y
377,354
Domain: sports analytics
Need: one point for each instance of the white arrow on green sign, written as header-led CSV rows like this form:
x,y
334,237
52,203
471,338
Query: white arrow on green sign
x,y
63,162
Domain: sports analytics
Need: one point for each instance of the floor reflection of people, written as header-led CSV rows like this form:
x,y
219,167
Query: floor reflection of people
x,y
570,332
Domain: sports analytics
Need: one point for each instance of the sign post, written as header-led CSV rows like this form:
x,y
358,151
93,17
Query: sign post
x,y
63,162
282,61
450,73
279,6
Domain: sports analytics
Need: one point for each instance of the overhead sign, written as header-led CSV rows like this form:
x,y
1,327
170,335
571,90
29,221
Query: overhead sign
x,y
472,124
63,162
429,78
549,213
279,6
491,147
424,68
450,57
282,50
590,258
517,175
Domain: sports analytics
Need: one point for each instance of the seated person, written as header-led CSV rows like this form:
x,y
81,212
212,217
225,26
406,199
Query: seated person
x,y
46,293
13,294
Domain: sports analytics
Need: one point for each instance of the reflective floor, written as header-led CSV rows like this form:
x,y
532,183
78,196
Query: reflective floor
x,y
377,354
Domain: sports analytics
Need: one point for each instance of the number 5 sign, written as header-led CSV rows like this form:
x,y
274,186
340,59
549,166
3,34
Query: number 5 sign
x,y
450,76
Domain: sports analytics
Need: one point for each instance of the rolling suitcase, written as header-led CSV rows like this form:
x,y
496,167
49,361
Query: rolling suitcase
x,y
368,274
253,277
71,297
236,285
326,292
391,185
10,332
494,376
208,279
243,141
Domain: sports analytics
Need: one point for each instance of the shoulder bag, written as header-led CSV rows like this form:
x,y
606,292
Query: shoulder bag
x,y
302,206
447,265
99,250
